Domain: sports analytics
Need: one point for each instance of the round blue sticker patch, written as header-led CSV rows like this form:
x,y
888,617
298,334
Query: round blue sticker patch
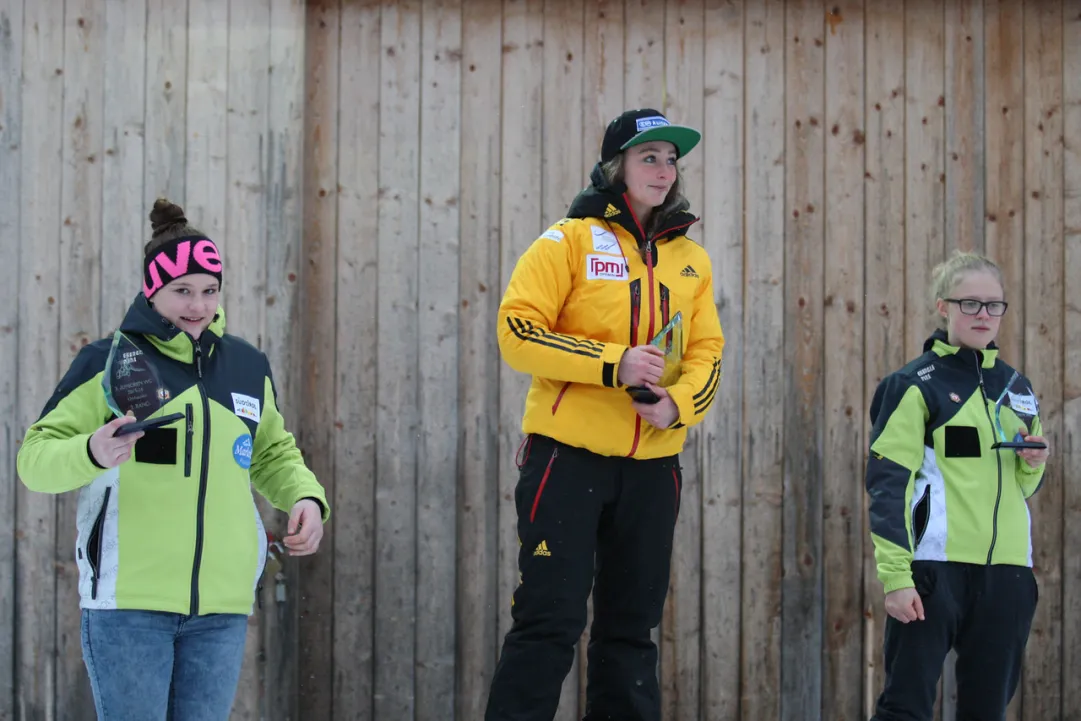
x,y
242,451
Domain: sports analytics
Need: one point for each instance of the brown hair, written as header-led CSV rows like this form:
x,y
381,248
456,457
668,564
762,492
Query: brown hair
x,y
167,222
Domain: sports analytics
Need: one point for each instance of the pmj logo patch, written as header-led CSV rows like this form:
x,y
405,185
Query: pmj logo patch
x,y
605,267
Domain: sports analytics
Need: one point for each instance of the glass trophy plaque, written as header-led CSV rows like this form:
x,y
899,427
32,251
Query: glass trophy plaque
x,y
669,340
133,386
1018,397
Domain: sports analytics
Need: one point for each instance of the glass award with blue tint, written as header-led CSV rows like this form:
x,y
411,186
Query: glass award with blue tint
x,y
133,386
669,340
1018,397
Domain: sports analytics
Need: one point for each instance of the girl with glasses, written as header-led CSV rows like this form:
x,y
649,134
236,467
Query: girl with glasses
x,y
948,510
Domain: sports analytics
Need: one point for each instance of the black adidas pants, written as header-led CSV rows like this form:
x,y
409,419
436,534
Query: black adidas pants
x,y
587,521
985,612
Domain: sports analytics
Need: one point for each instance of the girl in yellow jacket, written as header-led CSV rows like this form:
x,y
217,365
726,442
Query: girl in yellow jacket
x,y
605,418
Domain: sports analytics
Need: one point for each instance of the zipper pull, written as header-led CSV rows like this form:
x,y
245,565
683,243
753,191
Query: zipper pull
x,y
199,360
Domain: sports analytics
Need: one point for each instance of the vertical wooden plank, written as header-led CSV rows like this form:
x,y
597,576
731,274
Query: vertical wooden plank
x,y
884,248
355,384
207,124
643,54
11,57
124,222
722,461
1044,304
561,180
1004,176
166,68
681,629
601,100
842,493
1004,115
924,154
1004,149
1070,453
41,172
437,450
283,152
562,110
80,278
924,168
317,390
397,397
519,225
801,619
965,161
602,76
283,209
243,244
479,281
763,379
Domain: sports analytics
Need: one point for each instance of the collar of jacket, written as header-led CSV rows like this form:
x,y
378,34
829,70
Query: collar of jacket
x,y
141,318
939,343
609,203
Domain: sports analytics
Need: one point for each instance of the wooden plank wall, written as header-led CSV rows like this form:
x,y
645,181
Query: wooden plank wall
x,y
374,169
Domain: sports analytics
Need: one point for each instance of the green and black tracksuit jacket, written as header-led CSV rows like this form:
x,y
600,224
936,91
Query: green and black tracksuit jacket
x,y
175,528
938,491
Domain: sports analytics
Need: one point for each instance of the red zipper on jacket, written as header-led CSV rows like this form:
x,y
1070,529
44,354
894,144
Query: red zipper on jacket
x,y
559,398
649,267
652,298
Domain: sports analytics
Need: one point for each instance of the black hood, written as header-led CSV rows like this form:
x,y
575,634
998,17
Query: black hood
x,y
600,199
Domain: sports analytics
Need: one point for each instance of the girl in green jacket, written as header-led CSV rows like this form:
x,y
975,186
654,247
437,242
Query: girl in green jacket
x,y
948,505
170,545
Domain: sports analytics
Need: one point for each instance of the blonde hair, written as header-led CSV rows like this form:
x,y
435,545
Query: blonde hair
x,y
947,274
674,202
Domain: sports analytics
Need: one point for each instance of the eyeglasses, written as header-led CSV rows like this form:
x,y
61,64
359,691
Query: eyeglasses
x,y
971,306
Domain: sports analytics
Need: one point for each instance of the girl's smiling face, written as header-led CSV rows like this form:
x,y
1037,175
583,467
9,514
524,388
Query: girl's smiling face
x,y
189,302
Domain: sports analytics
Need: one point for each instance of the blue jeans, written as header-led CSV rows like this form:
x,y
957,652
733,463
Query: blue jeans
x,y
152,666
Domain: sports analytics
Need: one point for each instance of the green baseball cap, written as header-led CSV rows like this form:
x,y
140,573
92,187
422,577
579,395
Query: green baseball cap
x,y
635,127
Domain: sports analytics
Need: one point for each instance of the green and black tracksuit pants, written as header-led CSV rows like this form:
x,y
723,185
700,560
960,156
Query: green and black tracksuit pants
x,y
587,522
985,613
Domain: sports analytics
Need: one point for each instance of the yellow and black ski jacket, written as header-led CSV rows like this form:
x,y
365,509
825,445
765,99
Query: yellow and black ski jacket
x,y
589,288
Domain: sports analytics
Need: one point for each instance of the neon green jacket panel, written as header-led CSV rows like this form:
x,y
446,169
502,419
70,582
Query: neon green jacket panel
x,y
938,490
175,528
